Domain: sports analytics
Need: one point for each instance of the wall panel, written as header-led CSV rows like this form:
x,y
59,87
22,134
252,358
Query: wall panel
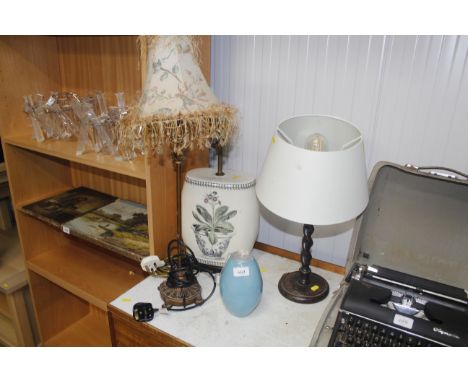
x,y
407,94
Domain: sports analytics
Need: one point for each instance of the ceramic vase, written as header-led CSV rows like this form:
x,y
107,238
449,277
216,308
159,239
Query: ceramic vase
x,y
220,214
241,283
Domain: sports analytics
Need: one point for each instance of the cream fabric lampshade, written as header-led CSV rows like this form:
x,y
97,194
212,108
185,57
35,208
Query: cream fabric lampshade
x,y
314,187
174,82
177,107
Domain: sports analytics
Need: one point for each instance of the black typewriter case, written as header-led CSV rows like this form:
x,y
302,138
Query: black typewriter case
x,y
415,230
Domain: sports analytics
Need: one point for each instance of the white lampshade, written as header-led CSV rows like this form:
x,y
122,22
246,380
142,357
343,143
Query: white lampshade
x,y
314,187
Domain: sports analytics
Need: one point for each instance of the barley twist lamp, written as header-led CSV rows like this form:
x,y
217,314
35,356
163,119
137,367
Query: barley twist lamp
x,y
314,174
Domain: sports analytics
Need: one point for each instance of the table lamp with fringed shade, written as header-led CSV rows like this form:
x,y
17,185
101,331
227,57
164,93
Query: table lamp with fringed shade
x,y
177,107
314,173
177,110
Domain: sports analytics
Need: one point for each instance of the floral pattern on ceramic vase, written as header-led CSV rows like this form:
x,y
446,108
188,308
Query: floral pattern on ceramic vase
x,y
213,230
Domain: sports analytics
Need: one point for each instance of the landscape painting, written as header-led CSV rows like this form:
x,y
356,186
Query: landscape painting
x,y
121,226
68,205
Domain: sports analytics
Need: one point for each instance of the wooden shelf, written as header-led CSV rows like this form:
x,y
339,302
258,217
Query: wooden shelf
x,y
4,306
7,331
96,277
91,330
66,150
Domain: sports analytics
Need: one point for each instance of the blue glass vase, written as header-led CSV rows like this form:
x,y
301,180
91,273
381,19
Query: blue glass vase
x,y
241,283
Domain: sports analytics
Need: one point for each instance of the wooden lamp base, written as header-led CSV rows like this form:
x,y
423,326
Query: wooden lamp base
x,y
290,286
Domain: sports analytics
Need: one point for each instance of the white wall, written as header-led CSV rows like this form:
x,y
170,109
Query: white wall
x,y
407,94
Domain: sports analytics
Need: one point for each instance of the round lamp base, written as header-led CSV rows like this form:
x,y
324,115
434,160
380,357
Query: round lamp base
x,y
291,288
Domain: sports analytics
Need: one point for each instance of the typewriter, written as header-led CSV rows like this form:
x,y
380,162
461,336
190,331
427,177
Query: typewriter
x,y
384,307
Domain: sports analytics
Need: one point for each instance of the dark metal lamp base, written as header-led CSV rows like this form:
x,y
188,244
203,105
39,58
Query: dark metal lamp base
x,y
290,286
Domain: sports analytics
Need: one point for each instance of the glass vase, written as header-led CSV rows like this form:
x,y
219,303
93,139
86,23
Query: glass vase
x,y
241,283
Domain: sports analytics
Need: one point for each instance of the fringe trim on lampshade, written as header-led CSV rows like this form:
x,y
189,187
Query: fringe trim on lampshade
x,y
150,135
179,132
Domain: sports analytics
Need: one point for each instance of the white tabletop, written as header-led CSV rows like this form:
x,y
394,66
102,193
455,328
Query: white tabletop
x,y
275,322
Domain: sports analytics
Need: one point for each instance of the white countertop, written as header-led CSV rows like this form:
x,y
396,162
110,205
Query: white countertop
x,y
275,322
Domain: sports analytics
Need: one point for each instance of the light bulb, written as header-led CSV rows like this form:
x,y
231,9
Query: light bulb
x,y
316,142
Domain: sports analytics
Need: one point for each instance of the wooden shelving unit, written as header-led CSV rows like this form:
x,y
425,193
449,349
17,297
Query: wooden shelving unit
x,y
16,327
106,276
7,331
66,150
87,331
71,281
4,306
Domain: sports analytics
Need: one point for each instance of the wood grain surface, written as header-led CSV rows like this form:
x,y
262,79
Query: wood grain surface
x,y
126,331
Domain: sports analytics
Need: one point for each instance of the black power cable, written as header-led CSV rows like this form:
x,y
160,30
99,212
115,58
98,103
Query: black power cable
x,y
184,262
